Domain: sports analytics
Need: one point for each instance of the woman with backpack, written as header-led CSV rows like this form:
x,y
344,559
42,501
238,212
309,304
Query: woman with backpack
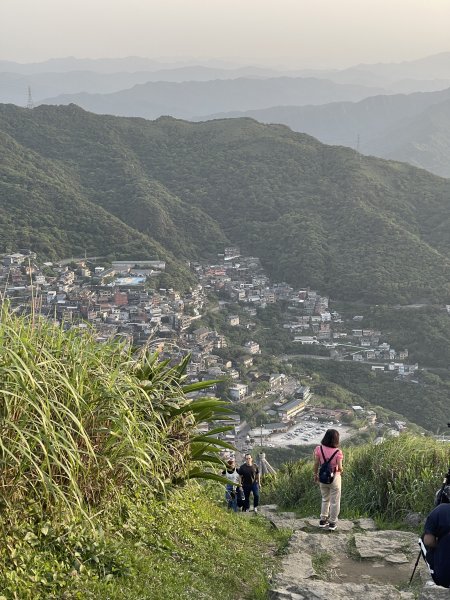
x,y
328,469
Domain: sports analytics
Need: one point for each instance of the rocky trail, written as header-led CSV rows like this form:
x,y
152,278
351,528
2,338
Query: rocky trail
x,y
355,562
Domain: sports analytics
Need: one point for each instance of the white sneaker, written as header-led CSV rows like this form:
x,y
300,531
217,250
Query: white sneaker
x,y
256,509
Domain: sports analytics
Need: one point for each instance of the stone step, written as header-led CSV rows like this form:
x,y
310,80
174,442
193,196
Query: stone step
x,y
355,562
322,590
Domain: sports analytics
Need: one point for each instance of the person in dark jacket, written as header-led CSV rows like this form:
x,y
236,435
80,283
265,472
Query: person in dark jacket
x,y
251,482
436,538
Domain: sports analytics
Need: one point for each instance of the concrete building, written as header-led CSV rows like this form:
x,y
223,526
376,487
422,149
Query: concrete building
x,y
238,391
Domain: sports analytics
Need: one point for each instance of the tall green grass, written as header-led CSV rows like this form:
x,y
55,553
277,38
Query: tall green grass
x,y
387,481
184,547
81,421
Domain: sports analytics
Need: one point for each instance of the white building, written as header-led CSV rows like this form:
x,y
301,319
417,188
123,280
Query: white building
x,y
238,391
252,347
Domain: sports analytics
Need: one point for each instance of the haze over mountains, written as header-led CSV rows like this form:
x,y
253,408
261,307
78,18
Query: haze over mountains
x,y
190,99
354,227
425,71
59,76
403,77
14,86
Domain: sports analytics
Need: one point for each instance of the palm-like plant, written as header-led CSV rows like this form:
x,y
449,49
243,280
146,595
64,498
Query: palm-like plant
x,y
80,421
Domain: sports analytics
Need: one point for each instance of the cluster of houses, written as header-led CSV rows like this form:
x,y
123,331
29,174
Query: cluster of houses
x,y
118,301
329,330
240,279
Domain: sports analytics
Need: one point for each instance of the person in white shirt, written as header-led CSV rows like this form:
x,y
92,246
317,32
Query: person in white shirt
x,y
233,489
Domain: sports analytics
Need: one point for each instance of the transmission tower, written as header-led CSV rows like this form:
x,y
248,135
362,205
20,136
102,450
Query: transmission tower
x,y
358,147
30,103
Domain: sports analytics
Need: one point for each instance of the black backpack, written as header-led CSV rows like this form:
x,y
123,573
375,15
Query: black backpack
x,y
326,475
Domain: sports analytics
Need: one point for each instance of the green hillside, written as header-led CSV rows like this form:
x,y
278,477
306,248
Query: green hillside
x,y
355,227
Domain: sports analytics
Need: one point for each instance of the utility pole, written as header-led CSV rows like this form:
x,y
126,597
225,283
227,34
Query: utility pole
x,y
30,103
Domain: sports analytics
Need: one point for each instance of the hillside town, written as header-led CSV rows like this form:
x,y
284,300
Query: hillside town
x,y
118,301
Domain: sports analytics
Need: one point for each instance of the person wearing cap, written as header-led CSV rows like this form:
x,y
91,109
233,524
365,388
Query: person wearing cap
x,y
251,482
232,489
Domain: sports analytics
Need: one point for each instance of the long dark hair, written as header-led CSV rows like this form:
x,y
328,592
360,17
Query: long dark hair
x,y
331,438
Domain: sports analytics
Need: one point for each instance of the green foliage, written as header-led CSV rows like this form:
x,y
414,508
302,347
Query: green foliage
x,y
195,546
81,420
42,559
425,331
278,457
141,548
92,438
389,480
356,228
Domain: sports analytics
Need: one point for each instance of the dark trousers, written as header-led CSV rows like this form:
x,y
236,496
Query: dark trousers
x,y
249,489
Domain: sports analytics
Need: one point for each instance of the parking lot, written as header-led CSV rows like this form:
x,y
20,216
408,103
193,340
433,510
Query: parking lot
x,y
306,432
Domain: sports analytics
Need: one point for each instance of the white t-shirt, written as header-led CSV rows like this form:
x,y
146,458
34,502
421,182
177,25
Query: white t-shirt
x,y
234,476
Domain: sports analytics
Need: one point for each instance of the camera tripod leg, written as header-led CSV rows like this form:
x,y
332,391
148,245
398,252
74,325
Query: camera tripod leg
x,y
415,567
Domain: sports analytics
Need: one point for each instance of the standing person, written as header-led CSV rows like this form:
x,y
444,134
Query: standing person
x,y
232,489
251,482
330,454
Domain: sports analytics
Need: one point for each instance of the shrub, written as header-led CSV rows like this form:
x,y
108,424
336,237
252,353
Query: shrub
x,y
81,421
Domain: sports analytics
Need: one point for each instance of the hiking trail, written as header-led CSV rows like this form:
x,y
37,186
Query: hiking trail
x,y
355,562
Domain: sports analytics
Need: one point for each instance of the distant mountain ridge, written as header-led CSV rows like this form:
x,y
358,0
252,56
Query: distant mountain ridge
x,y
423,140
351,226
391,75
14,86
190,99
425,74
71,63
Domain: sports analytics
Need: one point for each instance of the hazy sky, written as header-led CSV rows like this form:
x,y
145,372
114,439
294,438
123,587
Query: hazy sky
x,y
293,32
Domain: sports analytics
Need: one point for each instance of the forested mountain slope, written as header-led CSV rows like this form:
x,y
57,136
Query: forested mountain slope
x,y
412,127
317,215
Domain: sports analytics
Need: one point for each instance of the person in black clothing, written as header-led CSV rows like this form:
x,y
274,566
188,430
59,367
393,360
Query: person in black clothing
x,y
436,538
251,483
